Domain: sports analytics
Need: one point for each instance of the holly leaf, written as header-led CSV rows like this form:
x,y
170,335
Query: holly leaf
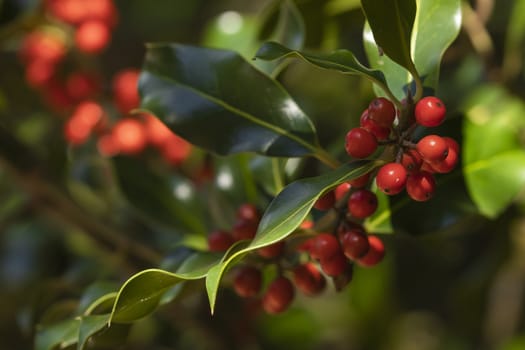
x,y
218,101
391,22
436,26
284,214
494,158
62,335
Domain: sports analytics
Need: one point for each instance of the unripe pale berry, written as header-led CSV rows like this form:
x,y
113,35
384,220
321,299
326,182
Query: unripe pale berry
x,y
421,186
278,296
391,178
430,111
432,148
308,279
375,254
360,143
382,111
247,282
354,243
362,204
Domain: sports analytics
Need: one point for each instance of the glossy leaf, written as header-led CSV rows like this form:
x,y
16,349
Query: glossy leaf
x,y
494,159
90,325
342,61
93,293
218,101
61,335
142,293
436,26
379,222
391,22
156,195
284,214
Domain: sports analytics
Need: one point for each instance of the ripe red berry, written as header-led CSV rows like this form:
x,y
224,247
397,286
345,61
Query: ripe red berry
x,y
411,160
247,282
82,85
447,164
158,133
432,148
125,89
382,111
325,202
278,296
391,178
308,279
430,111
421,186
323,246
219,241
334,265
355,243
130,136
271,251
341,190
92,36
362,204
175,150
375,254
380,132
360,143
248,211
361,181
244,229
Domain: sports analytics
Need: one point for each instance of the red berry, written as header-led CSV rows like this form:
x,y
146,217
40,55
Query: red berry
x,y
334,265
360,143
375,254
39,73
278,296
76,132
92,36
391,178
412,160
341,190
247,282
380,132
125,90
355,243
129,135
421,186
430,111
219,241
106,146
323,246
308,279
432,148
175,150
325,202
244,229
158,133
82,85
271,251
248,211
362,204
447,164
382,111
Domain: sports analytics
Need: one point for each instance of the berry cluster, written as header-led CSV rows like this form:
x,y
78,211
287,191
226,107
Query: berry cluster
x,y
77,93
413,164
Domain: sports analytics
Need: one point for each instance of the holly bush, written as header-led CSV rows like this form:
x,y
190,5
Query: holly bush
x,y
262,174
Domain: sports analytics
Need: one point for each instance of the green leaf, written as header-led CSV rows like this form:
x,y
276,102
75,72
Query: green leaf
x,y
379,222
93,293
218,101
342,61
391,22
89,326
436,26
494,158
156,195
141,294
284,214
60,335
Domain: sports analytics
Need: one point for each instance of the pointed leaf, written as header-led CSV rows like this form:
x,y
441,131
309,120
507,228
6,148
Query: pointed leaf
x,y
391,22
342,61
89,326
61,335
218,101
494,159
436,26
141,294
284,214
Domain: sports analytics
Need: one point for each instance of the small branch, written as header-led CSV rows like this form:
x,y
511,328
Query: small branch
x,y
476,31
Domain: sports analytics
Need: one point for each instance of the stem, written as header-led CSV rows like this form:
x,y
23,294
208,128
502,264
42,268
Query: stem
x,y
277,175
419,83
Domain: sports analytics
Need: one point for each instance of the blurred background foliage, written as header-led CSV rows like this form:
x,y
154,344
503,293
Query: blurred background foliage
x,y
454,276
